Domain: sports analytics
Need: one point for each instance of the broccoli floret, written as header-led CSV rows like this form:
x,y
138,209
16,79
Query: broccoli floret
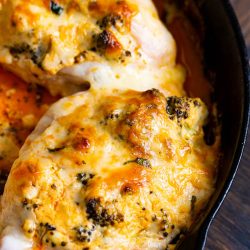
x,y
35,53
101,215
180,107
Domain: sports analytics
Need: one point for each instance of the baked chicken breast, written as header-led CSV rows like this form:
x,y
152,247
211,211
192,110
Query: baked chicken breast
x,y
120,170
71,45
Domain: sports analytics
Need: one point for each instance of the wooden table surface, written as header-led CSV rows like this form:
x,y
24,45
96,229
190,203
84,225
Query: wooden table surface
x,y
231,227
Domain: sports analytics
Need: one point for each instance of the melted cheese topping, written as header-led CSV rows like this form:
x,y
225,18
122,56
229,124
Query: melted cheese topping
x,y
110,170
69,45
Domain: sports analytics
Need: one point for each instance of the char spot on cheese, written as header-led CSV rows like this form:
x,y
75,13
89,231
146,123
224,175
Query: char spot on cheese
x,y
107,43
127,189
142,117
115,9
81,143
133,175
110,20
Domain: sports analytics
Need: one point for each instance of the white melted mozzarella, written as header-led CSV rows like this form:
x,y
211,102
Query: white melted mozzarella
x,y
12,239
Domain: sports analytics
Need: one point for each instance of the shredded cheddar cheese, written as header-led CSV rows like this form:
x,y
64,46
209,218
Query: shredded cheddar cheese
x,y
113,170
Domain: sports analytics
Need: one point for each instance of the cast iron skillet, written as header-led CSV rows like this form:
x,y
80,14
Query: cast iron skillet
x,y
225,54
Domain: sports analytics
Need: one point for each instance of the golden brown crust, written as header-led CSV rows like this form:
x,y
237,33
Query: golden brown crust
x,y
68,46
104,170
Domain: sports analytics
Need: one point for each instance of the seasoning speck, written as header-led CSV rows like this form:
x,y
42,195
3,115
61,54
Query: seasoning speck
x,y
56,8
63,243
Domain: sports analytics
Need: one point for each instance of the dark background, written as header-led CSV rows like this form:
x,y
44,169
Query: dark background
x,y
231,227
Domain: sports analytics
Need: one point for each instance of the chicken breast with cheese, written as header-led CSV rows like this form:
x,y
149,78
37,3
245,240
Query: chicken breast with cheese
x,y
71,45
110,170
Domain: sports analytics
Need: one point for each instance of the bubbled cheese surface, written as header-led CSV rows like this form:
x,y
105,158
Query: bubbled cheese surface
x,y
110,170
69,45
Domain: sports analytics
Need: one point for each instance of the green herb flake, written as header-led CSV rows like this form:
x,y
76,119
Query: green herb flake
x,y
140,161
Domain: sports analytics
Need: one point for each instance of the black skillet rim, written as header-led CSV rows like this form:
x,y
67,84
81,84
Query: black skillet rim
x,y
202,234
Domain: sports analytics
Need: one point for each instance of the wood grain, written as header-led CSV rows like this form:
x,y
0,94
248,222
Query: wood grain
x,y
231,228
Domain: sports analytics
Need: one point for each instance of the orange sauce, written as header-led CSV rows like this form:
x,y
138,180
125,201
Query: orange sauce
x,y
159,4
21,106
189,53
21,98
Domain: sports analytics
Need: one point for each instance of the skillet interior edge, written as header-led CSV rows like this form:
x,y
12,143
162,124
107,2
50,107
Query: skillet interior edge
x,y
226,55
